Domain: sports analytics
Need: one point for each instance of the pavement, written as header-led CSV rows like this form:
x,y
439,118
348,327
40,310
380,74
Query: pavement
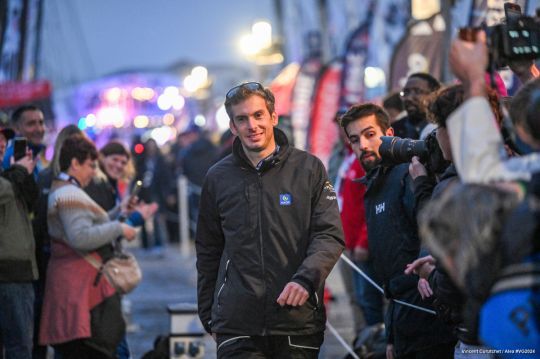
x,y
170,277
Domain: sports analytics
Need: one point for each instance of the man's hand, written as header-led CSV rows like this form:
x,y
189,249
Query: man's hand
x,y
293,294
416,169
424,289
525,70
389,351
422,266
468,61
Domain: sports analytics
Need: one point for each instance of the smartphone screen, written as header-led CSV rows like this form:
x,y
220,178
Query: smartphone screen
x,y
19,148
512,13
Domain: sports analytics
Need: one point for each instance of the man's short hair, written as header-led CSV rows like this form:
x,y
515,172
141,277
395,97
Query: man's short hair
x,y
521,103
244,91
432,82
79,147
17,114
357,112
393,101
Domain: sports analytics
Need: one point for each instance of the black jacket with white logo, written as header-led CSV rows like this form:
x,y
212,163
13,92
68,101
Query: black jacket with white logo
x,y
259,230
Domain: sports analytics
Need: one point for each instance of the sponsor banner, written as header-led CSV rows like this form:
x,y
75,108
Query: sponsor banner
x,y
323,130
420,50
302,98
282,87
355,58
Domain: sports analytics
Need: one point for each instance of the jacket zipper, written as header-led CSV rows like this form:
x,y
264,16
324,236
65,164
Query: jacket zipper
x,y
259,220
224,281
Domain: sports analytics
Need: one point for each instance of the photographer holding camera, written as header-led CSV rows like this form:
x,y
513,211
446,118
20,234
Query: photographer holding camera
x,y
393,238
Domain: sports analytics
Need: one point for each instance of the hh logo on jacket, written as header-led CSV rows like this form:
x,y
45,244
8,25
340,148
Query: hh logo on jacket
x,y
379,208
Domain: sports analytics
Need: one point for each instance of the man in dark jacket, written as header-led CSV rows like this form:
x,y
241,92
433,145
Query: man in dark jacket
x,y
268,234
18,268
393,239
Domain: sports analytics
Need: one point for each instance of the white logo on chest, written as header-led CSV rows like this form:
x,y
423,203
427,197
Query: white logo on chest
x,y
379,208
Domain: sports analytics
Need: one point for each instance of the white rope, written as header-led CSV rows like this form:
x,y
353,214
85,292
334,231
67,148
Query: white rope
x,y
342,341
366,277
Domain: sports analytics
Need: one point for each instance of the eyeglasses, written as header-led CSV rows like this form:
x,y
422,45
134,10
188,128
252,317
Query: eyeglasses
x,y
251,86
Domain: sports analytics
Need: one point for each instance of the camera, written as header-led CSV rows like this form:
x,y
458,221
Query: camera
x,y
395,150
516,39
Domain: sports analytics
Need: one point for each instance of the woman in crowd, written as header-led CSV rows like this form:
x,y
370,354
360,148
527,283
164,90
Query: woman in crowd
x,y
81,312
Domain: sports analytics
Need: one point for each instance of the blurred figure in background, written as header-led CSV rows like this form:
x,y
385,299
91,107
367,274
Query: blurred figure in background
x,y
196,157
394,107
158,183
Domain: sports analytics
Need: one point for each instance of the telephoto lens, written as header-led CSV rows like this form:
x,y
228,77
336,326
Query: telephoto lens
x,y
395,150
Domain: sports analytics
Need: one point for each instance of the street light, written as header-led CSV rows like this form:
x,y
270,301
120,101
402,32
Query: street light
x,y
259,47
197,79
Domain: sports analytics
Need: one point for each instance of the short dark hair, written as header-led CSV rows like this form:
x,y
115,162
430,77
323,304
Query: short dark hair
x,y
244,92
432,82
357,112
114,148
393,101
79,147
17,114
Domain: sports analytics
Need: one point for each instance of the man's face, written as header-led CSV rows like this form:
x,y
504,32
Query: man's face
x,y
32,126
365,137
253,124
413,94
3,143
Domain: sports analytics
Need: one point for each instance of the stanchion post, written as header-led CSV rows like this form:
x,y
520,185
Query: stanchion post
x,y
183,214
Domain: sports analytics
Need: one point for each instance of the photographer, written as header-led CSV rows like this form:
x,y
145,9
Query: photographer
x,y
485,161
393,239
18,268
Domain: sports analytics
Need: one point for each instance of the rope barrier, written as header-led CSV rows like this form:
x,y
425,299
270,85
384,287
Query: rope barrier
x,y
366,277
341,340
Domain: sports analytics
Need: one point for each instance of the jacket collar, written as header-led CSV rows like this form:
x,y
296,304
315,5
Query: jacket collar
x,y
282,151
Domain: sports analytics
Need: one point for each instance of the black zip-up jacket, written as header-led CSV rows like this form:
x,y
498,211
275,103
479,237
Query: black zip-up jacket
x,y
259,230
393,243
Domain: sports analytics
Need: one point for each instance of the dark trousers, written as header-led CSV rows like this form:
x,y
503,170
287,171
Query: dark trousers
x,y
267,347
441,351
78,349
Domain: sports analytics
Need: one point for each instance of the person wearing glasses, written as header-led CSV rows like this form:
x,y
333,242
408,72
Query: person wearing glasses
x,y
268,234
417,88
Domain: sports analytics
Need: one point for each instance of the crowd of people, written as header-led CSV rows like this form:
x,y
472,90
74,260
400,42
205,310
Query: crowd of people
x,y
445,222
62,216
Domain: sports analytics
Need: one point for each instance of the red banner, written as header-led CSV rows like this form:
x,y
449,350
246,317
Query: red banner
x,y
282,87
323,131
17,93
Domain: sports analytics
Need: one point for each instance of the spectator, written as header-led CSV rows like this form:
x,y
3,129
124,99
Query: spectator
x,y
6,134
418,86
18,268
393,105
28,122
41,231
81,316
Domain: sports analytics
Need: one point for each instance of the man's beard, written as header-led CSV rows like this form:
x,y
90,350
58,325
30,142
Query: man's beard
x,y
371,162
